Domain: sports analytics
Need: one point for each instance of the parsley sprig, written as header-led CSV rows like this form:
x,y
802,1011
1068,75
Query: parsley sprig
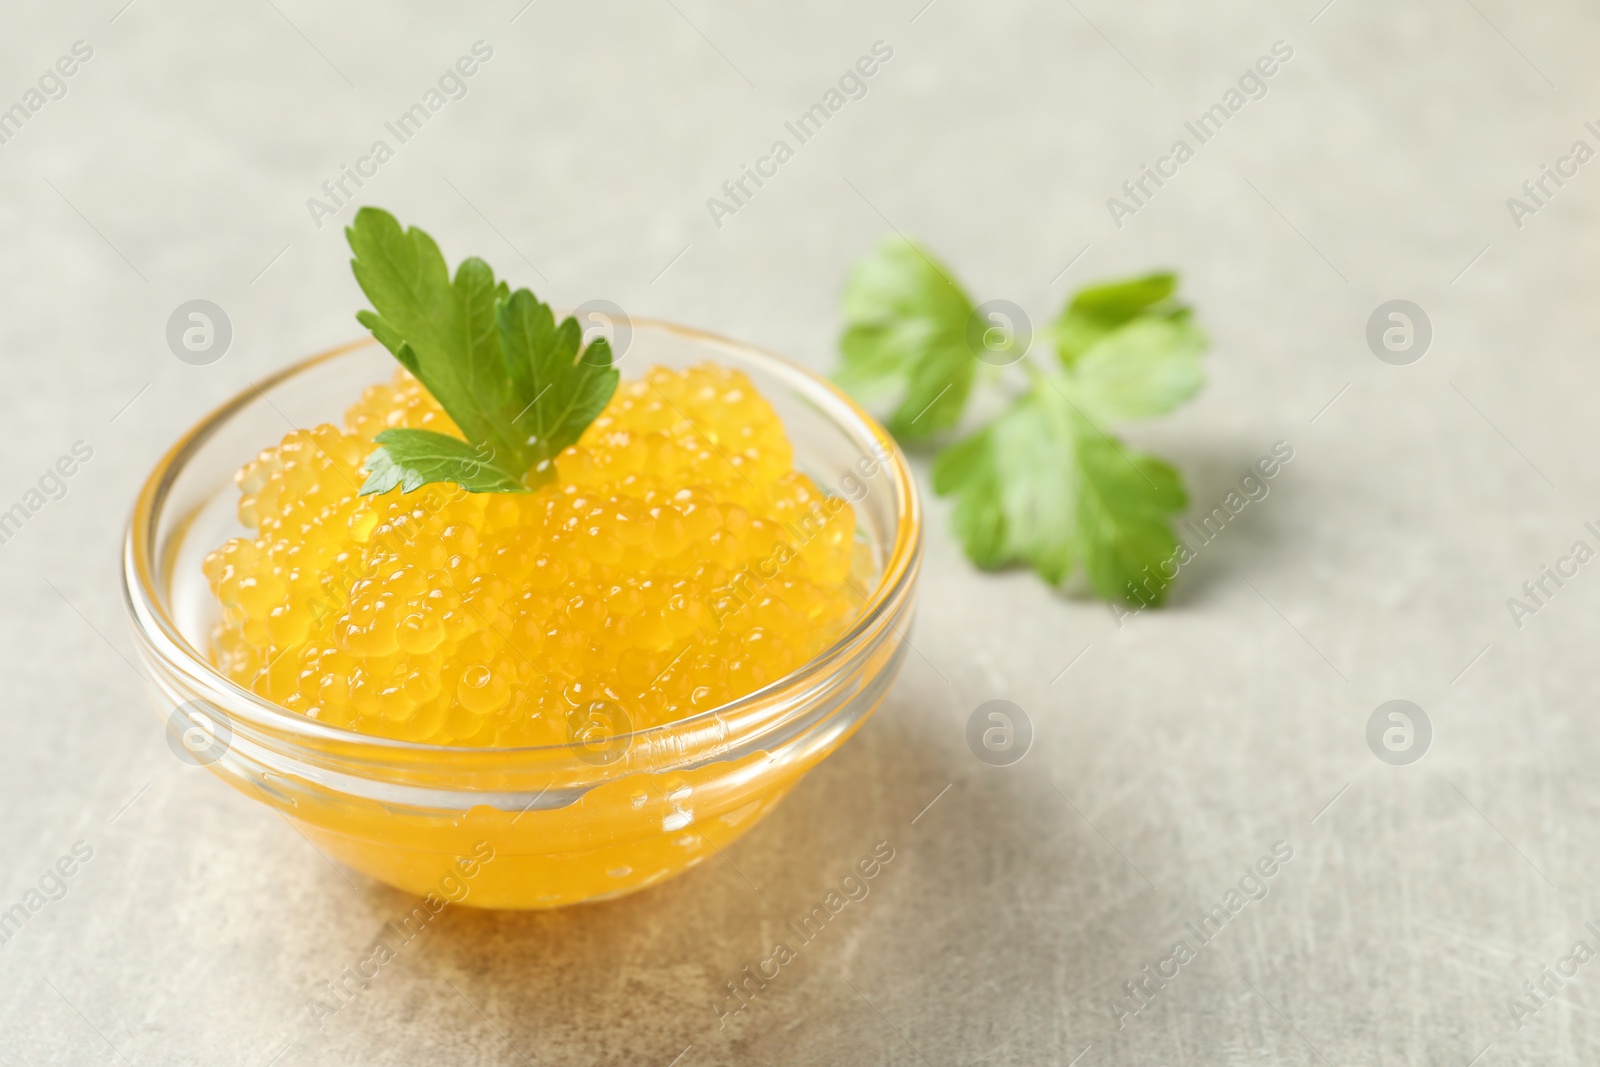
x,y
1044,484
520,387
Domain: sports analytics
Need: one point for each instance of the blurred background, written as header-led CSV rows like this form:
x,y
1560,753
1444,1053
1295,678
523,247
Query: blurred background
x,y
1170,752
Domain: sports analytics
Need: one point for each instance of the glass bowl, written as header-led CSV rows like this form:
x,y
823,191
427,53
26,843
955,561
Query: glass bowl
x,y
517,827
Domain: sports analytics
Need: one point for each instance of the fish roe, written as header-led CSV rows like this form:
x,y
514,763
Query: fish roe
x,y
677,562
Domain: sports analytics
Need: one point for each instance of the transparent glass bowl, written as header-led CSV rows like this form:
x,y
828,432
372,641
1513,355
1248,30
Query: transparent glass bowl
x,y
516,827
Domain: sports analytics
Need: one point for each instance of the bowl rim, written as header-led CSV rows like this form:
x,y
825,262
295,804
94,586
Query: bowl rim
x,y
163,637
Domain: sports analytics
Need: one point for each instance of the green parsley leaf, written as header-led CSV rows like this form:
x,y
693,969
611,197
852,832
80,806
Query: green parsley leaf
x,y
519,388
568,391
1098,310
1147,367
1044,484
906,328
413,458
442,332
967,468
1016,485
1044,487
1124,506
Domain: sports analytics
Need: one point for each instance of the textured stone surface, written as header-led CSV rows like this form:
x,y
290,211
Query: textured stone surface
x,y
1181,745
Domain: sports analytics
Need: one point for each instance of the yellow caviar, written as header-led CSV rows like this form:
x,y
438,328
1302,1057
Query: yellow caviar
x,y
678,561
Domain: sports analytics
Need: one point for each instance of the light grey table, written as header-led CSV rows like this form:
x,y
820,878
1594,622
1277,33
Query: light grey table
x,y
1171,751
